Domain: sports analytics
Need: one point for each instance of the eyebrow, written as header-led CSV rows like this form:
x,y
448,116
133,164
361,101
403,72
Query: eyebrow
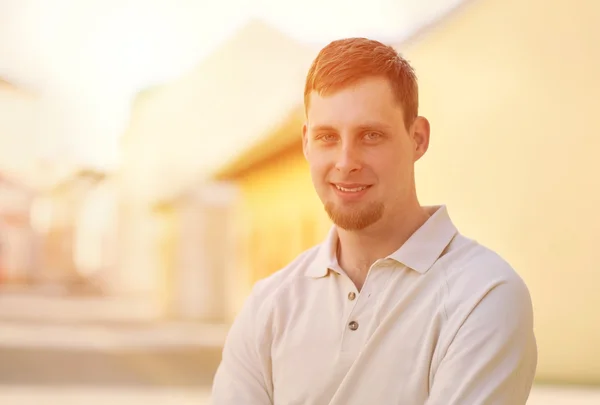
x,y
377,126
322,128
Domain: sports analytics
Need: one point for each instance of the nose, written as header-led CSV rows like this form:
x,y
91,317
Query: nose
x,y
348,159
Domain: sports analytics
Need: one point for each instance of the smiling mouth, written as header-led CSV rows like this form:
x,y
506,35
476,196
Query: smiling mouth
x,y
351,189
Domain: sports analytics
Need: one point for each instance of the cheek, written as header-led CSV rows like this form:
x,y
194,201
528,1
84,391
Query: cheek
x,y
392,170
319,175
319,168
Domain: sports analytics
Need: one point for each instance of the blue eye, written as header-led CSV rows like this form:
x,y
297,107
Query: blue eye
x,y
372,136
328,137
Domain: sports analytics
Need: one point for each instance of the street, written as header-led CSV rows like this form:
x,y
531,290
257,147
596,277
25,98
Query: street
x,y
75,361
30,376
56,349
51,376
182,368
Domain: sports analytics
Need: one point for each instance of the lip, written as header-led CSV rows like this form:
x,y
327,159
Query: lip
x,y
351,185
350,195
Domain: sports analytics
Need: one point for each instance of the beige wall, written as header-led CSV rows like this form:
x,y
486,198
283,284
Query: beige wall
x,y
182,131
511,89
96,232
204,276
18,113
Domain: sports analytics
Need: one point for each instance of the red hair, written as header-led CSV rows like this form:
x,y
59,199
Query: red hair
x,y
347,61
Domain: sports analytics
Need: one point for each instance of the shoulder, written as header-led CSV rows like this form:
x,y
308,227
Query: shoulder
x,y
255,318
475,275
265,292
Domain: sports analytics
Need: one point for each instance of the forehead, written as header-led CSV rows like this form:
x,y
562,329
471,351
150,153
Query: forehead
x,y
368,100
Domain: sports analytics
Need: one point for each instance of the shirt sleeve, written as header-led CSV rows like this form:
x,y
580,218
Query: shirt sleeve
x,y
244,374
493,356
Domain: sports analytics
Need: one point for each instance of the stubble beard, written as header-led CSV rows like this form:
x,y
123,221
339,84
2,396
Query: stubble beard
x,y
354,218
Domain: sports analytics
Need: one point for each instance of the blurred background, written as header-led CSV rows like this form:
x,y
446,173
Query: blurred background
x,y
151,171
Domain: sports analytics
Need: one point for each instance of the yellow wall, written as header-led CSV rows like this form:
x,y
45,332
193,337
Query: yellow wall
x,y
167,216
279,213
511,89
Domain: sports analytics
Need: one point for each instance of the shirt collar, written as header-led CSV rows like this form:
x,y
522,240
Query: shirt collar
x,y
326,258
419,252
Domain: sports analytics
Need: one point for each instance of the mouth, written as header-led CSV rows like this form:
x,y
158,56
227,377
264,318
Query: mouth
x,y
351,189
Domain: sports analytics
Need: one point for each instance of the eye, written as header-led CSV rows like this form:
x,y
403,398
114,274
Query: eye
x,y
327,137
372,136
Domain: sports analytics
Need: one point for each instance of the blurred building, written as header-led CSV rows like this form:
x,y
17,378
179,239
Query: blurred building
x,y
56,216
18,113
199,273
179,133
96,234
511,92
278,213
18,243
214,192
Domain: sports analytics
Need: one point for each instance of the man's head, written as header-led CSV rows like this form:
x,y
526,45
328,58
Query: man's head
x,y
363,133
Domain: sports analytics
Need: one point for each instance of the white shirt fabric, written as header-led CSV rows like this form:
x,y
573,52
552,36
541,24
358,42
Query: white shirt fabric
x,y
441,321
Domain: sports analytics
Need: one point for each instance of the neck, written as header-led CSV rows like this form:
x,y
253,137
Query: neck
x,y
358,250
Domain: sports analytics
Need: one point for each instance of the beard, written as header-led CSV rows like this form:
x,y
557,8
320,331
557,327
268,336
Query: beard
x,y
354,218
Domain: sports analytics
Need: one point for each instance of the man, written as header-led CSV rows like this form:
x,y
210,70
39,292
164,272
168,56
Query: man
x,y
395,306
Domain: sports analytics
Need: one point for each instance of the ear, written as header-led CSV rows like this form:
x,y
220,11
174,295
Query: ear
x,y
420,136
305,140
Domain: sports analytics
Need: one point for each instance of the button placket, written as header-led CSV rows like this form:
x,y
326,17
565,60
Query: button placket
x,y
352,324
352,335
351,340
360,308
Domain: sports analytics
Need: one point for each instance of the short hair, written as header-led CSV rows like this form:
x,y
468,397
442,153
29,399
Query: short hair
x,y
346,61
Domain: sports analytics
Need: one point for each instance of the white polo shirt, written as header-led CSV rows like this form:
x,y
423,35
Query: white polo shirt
x,y
441,321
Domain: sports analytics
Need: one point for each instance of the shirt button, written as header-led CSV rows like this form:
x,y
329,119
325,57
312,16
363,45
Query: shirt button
x,y
351,295
353,325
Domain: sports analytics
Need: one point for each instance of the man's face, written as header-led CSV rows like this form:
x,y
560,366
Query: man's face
x,y
361,155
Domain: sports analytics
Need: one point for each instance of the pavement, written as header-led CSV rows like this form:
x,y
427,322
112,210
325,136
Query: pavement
x,y
32,319
86,395
59,349
105,336
101,396
555,395
52,304
185,368
91,351
60,376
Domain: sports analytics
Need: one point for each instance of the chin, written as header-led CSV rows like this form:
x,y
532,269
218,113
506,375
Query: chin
x,y
354,218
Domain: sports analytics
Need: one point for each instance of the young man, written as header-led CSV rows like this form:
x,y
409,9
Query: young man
x,y
395,306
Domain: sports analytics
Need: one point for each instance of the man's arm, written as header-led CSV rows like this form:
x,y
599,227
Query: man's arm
x,y
493,357
244,375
